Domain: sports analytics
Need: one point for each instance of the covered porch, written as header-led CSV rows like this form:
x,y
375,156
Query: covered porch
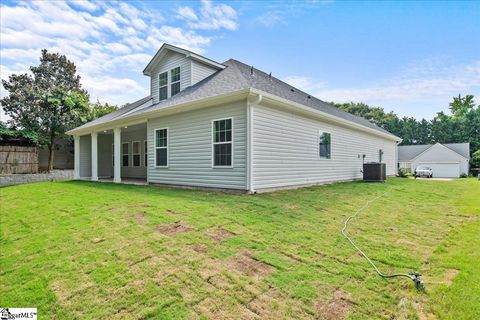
x,y
119,155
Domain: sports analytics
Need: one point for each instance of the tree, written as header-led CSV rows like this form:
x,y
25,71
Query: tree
x,y
97,110
475,160
49,101
461,105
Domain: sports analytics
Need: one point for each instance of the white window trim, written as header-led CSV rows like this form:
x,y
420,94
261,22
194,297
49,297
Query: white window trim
x,y
170,82
214,143
128,154
139,153
320,132
145,153
166,85
155,146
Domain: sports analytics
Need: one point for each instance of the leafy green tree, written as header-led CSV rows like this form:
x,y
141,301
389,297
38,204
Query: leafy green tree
x,y
48,102
475,160
97,110
462,105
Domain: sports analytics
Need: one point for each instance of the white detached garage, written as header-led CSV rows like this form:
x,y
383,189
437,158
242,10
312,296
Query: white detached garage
x,y
446,160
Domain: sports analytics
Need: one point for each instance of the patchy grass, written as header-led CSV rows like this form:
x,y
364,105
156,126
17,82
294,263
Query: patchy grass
x,y
106,251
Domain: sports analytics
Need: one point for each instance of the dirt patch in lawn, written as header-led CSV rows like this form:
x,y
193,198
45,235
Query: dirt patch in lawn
x,y
98,240
172,212
173,228
139,216
422,313
334,308
219,234
450,275
200,248
405,242
250,266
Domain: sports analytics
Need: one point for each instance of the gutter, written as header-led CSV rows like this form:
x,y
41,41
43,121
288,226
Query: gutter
x,y
322,114
142,117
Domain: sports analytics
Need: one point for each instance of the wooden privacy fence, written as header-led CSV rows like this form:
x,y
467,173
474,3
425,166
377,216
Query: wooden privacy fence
x,y
18,159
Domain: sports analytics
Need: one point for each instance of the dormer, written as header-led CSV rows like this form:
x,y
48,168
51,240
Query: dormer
x,y
173,69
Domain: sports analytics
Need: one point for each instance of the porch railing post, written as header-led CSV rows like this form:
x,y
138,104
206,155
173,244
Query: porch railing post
x,y
117,135
94,156
76,154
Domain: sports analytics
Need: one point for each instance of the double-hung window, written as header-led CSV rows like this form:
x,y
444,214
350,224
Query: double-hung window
x,y
175,81
222,142
145,154
163,86
161,147
136,153
125,156
324,145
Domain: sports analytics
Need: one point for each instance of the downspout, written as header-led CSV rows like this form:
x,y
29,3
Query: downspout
x,y
250,106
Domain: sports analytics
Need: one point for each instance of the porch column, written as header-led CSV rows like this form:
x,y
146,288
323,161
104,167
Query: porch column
x,y
76,154
94,156
117,135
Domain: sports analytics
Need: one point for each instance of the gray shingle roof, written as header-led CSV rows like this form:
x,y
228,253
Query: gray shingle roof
x,y
407,153
235,77
116,114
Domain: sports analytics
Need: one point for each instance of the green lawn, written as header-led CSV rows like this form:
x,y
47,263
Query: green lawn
x,y
105,251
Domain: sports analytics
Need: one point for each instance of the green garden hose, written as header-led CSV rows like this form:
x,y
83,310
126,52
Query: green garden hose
x,y
414,275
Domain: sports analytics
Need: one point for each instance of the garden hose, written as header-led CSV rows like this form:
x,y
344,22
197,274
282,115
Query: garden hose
x,y
414,276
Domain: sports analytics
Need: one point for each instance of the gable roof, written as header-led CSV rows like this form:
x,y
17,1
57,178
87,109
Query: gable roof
x,y
168,47
408,153
237,77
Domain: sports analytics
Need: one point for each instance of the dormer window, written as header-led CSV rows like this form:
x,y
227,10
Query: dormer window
x,y
163,86
175,81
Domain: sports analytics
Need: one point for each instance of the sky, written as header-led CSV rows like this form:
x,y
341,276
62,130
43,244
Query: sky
x,y
407,57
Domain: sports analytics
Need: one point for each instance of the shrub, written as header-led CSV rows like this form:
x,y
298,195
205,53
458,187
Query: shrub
x,y
463,175
402,172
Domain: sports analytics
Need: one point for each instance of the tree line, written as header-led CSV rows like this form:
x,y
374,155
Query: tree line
x,y
48,101
461,124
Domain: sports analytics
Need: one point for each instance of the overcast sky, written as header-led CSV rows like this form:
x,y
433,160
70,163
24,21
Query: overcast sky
x,y
409,57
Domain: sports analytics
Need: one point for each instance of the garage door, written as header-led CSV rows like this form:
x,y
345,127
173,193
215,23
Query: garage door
x,y
444,170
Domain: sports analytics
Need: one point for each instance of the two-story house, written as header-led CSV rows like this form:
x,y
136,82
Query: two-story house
x,y
227,125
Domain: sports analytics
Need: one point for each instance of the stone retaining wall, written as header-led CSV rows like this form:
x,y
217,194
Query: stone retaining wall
x,y
13,179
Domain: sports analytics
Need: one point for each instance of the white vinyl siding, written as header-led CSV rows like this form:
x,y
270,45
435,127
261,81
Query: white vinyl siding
x,y
190,148
285,150
85,156
200,71
170,61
